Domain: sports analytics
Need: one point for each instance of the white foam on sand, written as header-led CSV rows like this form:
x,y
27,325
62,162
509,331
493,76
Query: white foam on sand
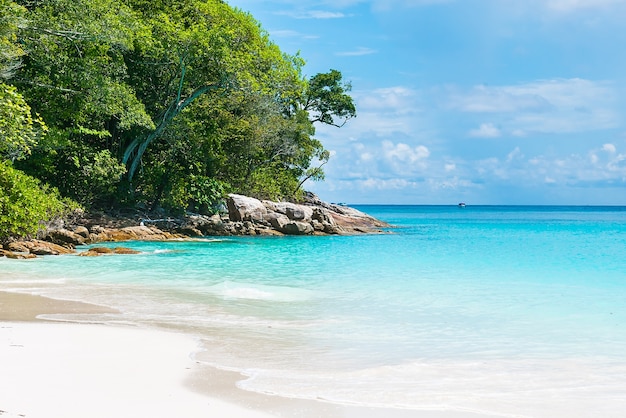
x,y
98,371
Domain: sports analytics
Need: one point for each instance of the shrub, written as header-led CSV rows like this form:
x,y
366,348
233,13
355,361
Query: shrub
x,y
26,204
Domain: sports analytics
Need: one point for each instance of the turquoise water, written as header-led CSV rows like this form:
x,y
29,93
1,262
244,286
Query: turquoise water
x,y
510,311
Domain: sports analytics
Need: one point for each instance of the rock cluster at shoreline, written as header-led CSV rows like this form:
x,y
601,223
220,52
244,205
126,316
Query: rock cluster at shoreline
x,y
245,216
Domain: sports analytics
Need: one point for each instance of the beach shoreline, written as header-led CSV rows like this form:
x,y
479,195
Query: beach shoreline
x,y
70,370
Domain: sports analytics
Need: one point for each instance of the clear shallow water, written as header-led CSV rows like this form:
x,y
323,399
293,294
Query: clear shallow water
x,y
512,311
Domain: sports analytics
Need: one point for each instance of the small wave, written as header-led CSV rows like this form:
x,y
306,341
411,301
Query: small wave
x,y
234,290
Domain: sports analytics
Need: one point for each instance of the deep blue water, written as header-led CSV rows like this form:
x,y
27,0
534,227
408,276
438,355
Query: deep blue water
x,y
510,310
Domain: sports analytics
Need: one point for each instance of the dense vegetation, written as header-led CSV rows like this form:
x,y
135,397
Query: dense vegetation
x,y
154,104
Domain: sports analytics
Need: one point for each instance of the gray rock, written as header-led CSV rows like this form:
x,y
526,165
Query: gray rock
x,y
82,231
297,228
63,236
243,208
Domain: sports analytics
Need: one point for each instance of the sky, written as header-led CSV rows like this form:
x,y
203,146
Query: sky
x,y
475,101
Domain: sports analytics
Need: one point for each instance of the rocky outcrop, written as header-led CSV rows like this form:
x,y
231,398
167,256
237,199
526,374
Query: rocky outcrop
x,y
245,216
250,216
33,248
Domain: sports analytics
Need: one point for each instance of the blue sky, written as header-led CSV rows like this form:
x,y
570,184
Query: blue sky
x,y
480,101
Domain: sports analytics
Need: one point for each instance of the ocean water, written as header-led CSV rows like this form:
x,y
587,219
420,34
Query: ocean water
x,y
505,310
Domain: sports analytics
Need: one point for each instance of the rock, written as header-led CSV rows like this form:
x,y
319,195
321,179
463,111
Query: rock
x,y
17,256
98,251
17,247
297,228
190,231
38,247
124,250
54,249
101,250
243,208
89,253
293,211
63,236
82,231
278,221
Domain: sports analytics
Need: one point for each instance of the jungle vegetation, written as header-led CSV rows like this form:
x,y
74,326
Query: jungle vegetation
x,y
159,104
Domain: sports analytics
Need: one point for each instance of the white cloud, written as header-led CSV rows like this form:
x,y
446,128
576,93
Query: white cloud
x,y
395,99
549,106
357,52
574,5
404,159
386,184
404,153
386,5
515,154
610,148
486,130
312,14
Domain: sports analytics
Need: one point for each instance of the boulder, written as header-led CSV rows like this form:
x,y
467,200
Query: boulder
x,y
38,247
17,247
17,256
82,231
297,228
97,251
293,211
278,221
243,208
124,250
101,250
64,236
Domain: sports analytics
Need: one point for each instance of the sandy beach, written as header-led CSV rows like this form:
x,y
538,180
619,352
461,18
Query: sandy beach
x,y
88,370
73,370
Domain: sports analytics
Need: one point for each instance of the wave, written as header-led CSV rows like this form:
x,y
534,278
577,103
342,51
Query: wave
x,y
235,290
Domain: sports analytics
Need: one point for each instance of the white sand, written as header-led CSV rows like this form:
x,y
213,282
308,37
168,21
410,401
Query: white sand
x,y
50,370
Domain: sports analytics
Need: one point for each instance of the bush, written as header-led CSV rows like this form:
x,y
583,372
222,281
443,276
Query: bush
x,y
26,204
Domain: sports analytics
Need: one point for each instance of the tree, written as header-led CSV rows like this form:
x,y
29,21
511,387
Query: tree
x,y
19,130
202,48
326,99
11,17
189,96
74,75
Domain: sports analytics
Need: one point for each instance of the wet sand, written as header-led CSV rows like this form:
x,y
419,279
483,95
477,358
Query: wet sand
x,y
73,370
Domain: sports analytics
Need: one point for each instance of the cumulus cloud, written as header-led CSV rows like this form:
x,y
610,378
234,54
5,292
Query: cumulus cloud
x,y
486,130
404,153
610,148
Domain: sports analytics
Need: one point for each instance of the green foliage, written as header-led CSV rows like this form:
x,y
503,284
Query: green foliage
x,y
190,98
74,72
25,203
327,98
272,182
11,16
19,131
90,176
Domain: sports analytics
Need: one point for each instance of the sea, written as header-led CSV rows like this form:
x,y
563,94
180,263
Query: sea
x,y
507,311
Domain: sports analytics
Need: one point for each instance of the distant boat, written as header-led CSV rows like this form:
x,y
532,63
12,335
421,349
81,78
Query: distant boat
x,y
461,205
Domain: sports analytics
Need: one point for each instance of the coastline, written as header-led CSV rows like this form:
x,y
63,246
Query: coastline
x,y
72,370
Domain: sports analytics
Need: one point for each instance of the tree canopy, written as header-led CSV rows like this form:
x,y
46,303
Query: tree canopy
x,y
167,103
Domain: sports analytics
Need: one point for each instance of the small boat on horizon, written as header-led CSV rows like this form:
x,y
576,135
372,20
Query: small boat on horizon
x,y
461,205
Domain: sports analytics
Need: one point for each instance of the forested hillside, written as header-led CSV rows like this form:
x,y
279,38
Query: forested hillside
x,y
154,104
